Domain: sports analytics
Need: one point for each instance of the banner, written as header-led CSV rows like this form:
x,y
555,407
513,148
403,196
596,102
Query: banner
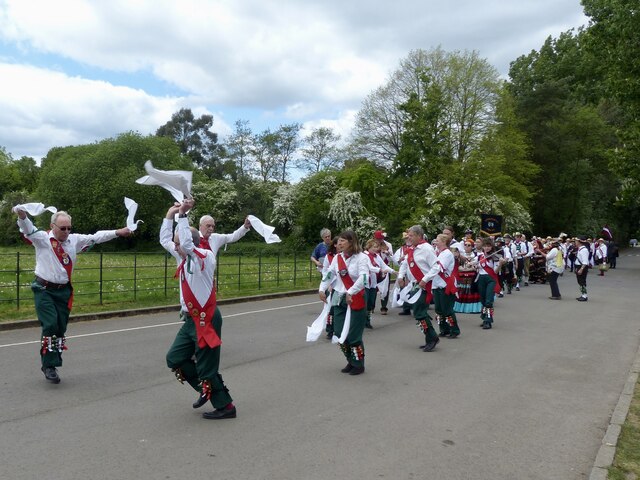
x,y
491,225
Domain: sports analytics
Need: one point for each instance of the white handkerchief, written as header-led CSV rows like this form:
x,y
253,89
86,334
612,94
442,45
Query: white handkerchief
x,y
383,286
34,209
266,231
318,325
132,208
345,328
177,182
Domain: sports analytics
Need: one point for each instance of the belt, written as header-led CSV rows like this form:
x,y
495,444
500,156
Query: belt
x,y
51,285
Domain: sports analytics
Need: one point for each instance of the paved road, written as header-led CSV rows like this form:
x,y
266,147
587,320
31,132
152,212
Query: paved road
x,y
529,399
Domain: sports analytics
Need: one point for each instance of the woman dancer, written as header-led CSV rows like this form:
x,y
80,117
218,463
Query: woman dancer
x,y
350,267
468,297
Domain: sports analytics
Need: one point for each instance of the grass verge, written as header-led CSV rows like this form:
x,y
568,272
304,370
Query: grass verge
x,y
626,463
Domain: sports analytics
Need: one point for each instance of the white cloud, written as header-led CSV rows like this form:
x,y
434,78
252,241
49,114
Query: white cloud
x,y
290,60
41,108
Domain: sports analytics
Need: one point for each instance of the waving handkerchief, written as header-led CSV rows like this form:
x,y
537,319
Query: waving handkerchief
x,y
317,327
132,208
177,182
34,209
266,231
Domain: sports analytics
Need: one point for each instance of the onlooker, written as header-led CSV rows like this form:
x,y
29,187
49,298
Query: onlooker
x,y
317,257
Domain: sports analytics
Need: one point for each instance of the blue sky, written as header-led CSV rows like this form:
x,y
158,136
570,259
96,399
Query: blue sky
x,y
79,71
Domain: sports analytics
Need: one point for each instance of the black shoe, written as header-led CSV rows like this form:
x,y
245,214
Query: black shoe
x,y
555,298
329,335
442,334
202,399
383,311
404,313
517,289
486,325
368,325
581,299
431,345
454,335
356,371
500,295
509,292
220,414
51,374
526,284
347,369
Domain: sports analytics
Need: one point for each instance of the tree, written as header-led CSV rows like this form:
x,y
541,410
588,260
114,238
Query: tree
x,y
320,151
195,139
264,149
468,86
17,175
91,181
239,147
286,145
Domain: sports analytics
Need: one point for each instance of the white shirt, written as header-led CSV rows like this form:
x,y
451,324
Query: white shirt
x,y
443,264
48,267
582,256
198,272
424,256
601,252
216,240
373,271
357,269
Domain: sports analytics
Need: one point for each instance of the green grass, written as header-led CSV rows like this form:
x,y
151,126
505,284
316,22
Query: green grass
x,y
126,280
626,463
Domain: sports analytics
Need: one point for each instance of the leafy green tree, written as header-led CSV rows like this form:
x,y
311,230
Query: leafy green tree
x,y
467,85
91,181
195,139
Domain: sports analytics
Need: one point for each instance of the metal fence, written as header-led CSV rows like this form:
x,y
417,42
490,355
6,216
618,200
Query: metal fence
x,y
126,277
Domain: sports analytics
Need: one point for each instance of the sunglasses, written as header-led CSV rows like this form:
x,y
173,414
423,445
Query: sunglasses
x,y
64,229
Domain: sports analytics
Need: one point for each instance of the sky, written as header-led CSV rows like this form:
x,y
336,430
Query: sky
x,y
79,71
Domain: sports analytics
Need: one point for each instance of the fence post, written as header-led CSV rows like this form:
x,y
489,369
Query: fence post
x,y
17,280
239,262
295,267
166,259
259,270
217,271
101,253
135,267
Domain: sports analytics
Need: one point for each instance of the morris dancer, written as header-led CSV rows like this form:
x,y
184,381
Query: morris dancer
x,y
199,336
331,252
488,284
378,273
386,252
418,262
581,266
56,252
351,268
443,274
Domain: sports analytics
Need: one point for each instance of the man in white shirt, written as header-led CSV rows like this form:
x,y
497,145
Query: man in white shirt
x,y
414,269
199,336
56,252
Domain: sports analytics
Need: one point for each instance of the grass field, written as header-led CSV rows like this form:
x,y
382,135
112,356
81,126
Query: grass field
x,y
125,280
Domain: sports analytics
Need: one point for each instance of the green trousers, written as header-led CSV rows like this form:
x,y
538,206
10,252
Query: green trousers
x,y
447,320
423,320
486,288
53,313
207,360
353,347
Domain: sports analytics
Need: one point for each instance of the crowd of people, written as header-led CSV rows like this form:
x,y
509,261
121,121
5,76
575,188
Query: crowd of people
x,y
455,276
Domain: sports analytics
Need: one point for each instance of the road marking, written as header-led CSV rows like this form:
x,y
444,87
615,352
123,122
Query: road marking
x,y
163,324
